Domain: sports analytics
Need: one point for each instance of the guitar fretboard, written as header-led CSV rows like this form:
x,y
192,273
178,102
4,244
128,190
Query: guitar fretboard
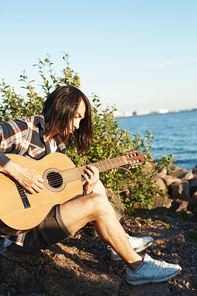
x,y
78,172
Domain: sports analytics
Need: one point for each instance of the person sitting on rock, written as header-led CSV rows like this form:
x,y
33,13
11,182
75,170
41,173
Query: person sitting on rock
x,y
67,115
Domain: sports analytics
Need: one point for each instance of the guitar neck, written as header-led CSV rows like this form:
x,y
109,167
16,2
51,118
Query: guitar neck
x,y
78,172
109,164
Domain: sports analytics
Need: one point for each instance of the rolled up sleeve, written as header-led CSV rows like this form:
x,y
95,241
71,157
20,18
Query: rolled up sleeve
x,y
8,139
4,160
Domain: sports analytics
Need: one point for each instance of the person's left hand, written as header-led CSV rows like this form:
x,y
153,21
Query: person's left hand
x,y
91,176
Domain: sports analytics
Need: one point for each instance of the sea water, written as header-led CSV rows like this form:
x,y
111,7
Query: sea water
x,y
172,133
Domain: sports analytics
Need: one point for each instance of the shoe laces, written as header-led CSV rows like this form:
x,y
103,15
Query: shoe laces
x,y
134,238
156,263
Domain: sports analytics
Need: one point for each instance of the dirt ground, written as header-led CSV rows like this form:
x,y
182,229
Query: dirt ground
x,y
174,242
81,265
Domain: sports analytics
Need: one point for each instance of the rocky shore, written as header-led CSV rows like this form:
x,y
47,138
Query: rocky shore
x,y
81,265
182,187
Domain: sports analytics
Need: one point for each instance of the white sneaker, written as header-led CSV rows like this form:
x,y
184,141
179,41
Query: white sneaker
x,y
151,271
138,244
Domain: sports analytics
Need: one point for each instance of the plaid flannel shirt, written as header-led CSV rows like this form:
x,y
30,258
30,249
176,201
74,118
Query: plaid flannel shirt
x,y
25,137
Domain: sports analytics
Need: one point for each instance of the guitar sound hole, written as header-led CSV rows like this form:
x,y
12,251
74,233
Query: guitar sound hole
x,y
54,179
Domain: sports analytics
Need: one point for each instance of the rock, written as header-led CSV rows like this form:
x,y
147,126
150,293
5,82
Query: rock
x,y
178,171
194,171
180,191
193,186
164,171
159,201
177,239
168,179
159,182
174,206
187,176
192,205
182,205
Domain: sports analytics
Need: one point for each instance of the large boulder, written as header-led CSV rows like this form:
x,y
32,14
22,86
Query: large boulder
x,y
194,171
159,182
187,176
160,201
192,204
180,191
178,171
168,179
193,186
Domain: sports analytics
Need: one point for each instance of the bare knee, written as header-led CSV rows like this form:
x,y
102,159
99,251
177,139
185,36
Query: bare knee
x,y
101,204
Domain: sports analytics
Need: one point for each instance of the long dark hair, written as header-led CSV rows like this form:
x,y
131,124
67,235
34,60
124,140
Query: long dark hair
x,y
60,108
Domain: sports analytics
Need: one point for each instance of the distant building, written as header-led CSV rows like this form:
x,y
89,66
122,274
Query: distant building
x,y
122,114
141,112
163,110
117,114
128,113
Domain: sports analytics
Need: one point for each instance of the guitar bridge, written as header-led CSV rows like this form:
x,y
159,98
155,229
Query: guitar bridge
x,y
23,195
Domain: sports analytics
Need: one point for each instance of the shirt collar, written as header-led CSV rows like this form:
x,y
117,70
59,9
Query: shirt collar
x,y
39,119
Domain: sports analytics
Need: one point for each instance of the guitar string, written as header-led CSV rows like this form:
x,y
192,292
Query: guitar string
x,y
75,173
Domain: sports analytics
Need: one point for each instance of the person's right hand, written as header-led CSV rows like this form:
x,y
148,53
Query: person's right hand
x,y
28,178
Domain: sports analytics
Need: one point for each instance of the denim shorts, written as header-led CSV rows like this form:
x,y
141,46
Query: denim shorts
x,y
50,231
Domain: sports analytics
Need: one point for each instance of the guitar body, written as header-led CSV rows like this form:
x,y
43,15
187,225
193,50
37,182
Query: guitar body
x,y
21,211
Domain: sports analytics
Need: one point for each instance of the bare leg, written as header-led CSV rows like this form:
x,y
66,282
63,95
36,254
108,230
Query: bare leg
x,y
97,209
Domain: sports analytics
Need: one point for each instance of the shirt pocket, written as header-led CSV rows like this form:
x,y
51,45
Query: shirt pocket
x,y
35,152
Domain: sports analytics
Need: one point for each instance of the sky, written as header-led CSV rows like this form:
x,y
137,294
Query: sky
x,y
134,54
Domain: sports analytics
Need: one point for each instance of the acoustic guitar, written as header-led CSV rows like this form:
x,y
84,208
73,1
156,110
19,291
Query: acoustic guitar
x,y
20,211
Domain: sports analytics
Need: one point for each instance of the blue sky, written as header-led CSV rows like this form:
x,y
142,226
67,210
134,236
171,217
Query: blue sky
x,y
138,54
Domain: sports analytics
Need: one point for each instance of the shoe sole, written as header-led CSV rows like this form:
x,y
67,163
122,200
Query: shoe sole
x,y
147,281
137,250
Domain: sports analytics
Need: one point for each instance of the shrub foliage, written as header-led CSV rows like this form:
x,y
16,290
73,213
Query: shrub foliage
x,y
132,185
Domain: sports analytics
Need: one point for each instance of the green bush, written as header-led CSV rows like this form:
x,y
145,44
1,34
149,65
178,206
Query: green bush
x,y
132,185
14,105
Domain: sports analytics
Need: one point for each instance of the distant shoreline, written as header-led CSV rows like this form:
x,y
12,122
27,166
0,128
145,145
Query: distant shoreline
x,y
118,114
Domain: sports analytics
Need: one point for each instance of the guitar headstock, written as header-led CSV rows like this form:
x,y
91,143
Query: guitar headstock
x,y
134,159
